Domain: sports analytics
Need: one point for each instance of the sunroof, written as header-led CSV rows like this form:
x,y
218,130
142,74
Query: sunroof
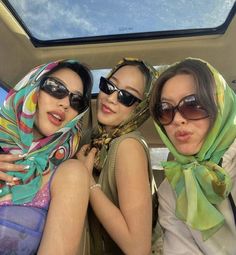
x,y
48,20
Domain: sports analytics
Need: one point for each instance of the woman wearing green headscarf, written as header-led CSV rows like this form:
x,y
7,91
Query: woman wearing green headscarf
x,y
195,115
120,218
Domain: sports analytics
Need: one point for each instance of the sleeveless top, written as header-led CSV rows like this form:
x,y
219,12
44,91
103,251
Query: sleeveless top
x,y
21,226
100,241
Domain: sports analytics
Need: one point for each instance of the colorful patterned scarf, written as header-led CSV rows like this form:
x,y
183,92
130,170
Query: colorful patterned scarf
x,y
101,139
198,181
16,136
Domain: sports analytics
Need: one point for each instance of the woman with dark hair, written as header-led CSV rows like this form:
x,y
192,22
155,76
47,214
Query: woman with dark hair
x,y
43,202
194,112
120,217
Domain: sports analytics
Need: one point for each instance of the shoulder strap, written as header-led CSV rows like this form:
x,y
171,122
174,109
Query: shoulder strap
x,y
231,200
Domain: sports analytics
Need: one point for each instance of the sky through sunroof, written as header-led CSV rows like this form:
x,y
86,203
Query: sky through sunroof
x,y
56,19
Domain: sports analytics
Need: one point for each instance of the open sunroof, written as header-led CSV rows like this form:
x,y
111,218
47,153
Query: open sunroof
x,y
64,21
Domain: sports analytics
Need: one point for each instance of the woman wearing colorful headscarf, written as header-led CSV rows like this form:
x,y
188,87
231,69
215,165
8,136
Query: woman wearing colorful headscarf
x,y
120,218
195,115
40,123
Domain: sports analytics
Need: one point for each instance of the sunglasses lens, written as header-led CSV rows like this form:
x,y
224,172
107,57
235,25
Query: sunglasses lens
x,y
105,87
191,110
78,103
164,113
125,98
54,88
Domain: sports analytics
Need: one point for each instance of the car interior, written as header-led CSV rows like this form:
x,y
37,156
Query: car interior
x,y
210,37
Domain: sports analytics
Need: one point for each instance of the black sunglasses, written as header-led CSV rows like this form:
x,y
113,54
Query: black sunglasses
x,y
124,97
188,107
57,89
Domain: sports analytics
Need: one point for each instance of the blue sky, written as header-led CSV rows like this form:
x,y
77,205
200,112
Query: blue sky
x,y
53,19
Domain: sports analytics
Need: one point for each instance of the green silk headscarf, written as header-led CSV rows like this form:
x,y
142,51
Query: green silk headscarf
x,y
101,139
198,181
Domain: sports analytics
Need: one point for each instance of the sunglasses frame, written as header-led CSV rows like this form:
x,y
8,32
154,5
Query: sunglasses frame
x,y
121,92
176,108
79,106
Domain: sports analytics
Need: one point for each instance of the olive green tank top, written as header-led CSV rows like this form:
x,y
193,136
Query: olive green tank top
x,y
100,241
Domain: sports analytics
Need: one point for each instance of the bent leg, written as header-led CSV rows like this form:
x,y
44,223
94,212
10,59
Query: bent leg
x,y
67,211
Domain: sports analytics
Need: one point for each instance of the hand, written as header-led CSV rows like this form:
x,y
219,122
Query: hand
x,y
87,155
7,164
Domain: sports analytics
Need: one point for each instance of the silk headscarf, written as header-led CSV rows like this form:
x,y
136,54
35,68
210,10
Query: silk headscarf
x,y
199,182
16,136
100,138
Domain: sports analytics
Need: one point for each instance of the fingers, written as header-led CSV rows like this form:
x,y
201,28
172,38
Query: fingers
x,y
10,157
7,163
86,151
5,177
83,151
5,167
89,162
93,151
10,180
87,155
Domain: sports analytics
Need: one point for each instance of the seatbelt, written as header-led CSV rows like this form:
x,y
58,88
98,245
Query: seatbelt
x,y
231,200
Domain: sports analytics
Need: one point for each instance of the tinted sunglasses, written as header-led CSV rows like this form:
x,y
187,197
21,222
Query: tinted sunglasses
x,y
57,89
124,97
188,107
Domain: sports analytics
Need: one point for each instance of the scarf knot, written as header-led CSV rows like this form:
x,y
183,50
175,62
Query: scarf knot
x,y
199,186
101,143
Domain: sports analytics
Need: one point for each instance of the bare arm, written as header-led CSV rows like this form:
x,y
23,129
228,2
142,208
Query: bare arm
x,y
131,229
68,207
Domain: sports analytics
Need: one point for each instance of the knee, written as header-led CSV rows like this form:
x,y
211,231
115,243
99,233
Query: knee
x,y
74,172
70,185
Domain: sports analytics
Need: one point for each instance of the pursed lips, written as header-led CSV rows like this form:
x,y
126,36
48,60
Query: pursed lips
x,y
182,136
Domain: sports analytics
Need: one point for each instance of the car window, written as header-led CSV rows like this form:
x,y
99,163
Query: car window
x,y
3,93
